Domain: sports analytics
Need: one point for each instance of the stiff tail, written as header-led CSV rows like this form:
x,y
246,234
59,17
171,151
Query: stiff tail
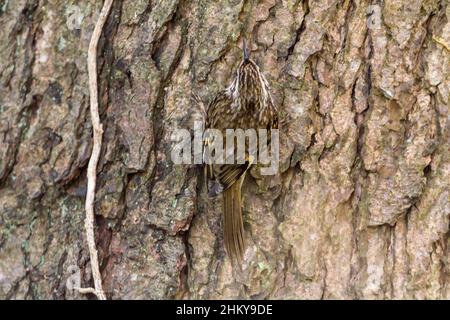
x,y
233,223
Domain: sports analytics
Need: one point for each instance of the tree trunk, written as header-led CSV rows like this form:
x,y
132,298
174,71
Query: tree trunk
x,y
359,210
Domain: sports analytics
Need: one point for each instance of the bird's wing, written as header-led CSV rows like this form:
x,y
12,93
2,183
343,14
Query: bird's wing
x,y
220,176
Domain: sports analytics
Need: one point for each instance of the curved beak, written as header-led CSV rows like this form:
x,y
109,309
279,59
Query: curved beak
x,y
246,52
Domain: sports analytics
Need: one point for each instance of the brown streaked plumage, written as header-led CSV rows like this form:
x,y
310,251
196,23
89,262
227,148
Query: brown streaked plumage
x,y
245,104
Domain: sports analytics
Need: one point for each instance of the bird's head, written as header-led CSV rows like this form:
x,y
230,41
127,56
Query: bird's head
x,y
249,86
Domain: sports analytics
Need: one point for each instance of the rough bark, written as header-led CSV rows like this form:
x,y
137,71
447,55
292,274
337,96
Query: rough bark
x,y
360,208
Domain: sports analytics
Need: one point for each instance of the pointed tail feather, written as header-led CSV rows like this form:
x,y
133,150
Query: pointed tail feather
x,y
233,222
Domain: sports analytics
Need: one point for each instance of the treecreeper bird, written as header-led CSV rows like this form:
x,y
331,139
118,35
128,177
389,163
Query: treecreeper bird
x,y
245,104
